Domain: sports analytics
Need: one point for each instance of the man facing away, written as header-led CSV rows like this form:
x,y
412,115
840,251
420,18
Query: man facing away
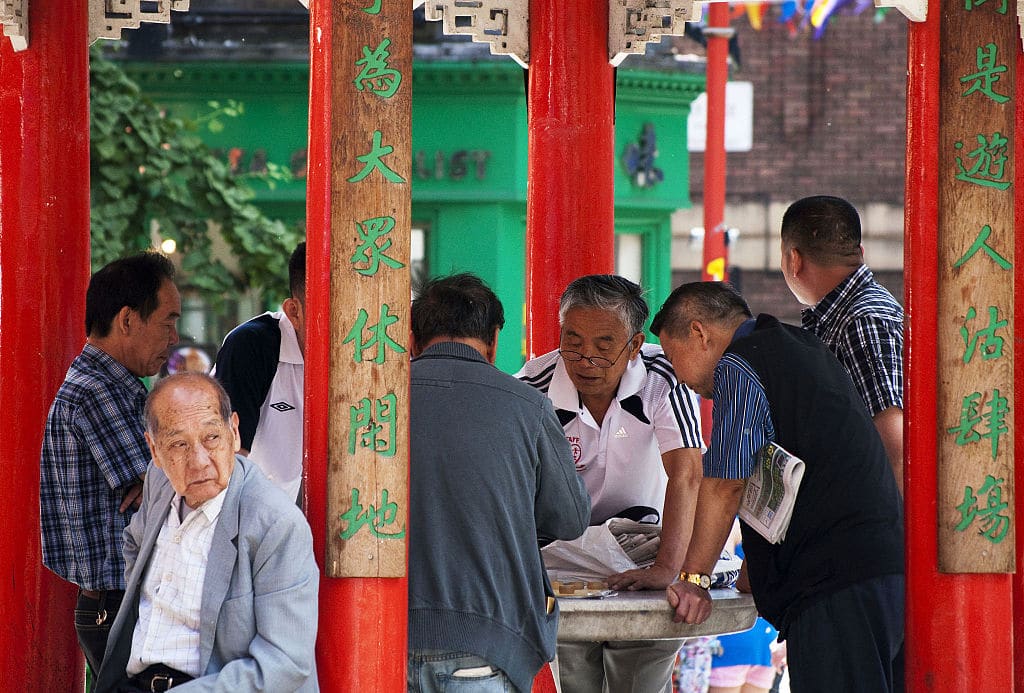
x,y
222,586
635,435
489,472
855,316
260,364
94,453
833,587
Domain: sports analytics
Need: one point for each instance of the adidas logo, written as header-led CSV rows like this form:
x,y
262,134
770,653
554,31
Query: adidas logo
x,y
621,433
281,406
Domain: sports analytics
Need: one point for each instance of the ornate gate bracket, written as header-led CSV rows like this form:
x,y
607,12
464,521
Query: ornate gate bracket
x,y
504,24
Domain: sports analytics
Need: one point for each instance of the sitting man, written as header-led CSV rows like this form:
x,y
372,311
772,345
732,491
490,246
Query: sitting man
x,y
221,581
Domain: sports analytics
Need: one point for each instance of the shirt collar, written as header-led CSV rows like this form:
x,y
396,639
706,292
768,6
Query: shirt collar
x,y
456,350
563,393
117,370
211,508
838,299
289,352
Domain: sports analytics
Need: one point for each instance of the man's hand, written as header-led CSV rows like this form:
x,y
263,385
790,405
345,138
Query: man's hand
x,y
132,498
654,578
692,603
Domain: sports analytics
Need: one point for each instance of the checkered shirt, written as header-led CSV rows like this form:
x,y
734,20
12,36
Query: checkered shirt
x,y
93,449
862,324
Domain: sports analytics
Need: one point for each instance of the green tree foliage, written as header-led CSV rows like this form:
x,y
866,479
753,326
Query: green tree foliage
x,y
147,166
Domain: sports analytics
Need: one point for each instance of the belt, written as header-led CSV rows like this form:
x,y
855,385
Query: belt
x,y
159,678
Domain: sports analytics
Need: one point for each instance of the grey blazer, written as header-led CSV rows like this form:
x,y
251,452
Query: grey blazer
x,y
259,606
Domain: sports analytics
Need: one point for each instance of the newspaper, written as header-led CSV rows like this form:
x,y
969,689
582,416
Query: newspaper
x,y
770,493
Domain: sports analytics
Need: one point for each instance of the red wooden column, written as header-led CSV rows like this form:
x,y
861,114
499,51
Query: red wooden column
x,y
361,643
957,624
44,269
570,206
716,257
1018,376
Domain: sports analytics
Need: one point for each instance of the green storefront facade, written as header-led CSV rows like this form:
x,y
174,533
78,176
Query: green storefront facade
x,y
469,161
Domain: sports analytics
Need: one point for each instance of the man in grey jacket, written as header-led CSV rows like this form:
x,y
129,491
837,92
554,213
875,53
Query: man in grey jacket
x,y
490,470
221,582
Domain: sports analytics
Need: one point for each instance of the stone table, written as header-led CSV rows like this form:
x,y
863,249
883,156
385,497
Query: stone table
x,y
646,615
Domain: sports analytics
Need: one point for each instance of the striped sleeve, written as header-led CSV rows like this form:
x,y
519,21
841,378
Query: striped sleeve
x,y
742,420
682,400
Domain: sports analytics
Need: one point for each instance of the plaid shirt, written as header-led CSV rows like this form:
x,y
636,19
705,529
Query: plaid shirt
x,y
93,449
862,324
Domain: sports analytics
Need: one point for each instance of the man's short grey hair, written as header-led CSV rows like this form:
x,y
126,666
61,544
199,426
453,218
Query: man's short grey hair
x,y
190,378
709,302
608,292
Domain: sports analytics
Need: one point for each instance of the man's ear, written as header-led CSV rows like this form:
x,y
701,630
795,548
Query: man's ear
x,y
234,430
152,449
292,309
123,320
796,261
492,348
700,331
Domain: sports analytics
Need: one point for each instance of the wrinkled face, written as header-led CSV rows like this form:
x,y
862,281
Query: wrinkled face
x,y
193,445
693,365
151,339
597,333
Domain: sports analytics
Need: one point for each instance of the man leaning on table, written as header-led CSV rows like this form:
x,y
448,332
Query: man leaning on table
x,y
834,585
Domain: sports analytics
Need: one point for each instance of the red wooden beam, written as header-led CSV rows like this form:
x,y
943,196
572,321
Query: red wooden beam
x,y
570,203
974,610
44,270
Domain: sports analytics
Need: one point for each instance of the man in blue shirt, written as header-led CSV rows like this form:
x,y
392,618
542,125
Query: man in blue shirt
x,y
833,585
94,451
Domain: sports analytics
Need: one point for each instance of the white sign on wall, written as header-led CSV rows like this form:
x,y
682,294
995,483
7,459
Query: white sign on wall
x,y
739,119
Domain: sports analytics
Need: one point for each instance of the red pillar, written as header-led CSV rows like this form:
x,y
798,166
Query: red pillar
x,y
361,642
44,269
957,624
715,258
570,205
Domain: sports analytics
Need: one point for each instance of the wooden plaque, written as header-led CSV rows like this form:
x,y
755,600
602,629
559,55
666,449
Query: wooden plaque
x,y
975,302
368,411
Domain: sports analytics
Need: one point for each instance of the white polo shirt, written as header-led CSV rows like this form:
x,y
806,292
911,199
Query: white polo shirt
x,y
620,460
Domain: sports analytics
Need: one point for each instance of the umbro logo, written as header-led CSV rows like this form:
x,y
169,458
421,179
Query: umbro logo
x,y
621,433
281,406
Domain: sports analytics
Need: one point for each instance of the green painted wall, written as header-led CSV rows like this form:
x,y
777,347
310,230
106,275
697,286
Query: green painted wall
x,y
469,158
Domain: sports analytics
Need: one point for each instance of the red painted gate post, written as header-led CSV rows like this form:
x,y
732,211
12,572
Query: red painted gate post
x,y
570,203
958,625
44,269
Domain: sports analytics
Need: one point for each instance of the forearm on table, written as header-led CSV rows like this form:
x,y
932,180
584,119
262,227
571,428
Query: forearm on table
x,y
717,503
677,523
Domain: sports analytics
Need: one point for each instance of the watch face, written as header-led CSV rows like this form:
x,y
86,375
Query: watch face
x,y
705,581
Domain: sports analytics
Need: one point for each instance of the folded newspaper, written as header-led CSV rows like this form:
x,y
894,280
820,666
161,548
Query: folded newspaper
x,y
770,493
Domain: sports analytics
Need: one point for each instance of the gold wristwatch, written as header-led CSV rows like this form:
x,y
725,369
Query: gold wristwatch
x,y
700,579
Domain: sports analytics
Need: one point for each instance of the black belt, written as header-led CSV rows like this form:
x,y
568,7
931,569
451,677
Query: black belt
x,y
159,678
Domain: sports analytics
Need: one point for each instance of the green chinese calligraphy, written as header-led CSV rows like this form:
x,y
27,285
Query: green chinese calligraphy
x,y
376,519
992,421
370,231
991,343
375,7
993,523
981,243
971,4
372,425
378,337
987,75
990,162
375,74
373,160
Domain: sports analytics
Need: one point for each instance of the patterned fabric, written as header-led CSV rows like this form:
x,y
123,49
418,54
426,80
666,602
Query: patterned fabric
x,y
740,404
862,324
93,450
167,631
693,668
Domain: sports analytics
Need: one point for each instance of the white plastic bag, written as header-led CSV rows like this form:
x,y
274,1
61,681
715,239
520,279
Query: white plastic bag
x,y
593,556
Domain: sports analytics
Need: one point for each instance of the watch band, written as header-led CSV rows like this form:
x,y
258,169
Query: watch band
x,y
700,579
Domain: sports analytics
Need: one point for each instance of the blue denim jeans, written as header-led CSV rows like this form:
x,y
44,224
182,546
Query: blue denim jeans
x,y
438,671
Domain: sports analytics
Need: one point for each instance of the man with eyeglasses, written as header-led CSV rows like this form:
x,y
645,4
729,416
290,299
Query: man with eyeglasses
x,y
635,435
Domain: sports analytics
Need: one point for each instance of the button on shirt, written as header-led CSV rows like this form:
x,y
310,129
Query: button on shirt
x,y
620,460
171,599
862,324
93,449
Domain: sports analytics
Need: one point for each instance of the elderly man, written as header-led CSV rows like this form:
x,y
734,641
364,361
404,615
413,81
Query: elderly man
x,y
855,316
94,453
261,366
222,585
635,436
833,586
489,472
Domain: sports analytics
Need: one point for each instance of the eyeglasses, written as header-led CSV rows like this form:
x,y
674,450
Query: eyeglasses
x,y
595,361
